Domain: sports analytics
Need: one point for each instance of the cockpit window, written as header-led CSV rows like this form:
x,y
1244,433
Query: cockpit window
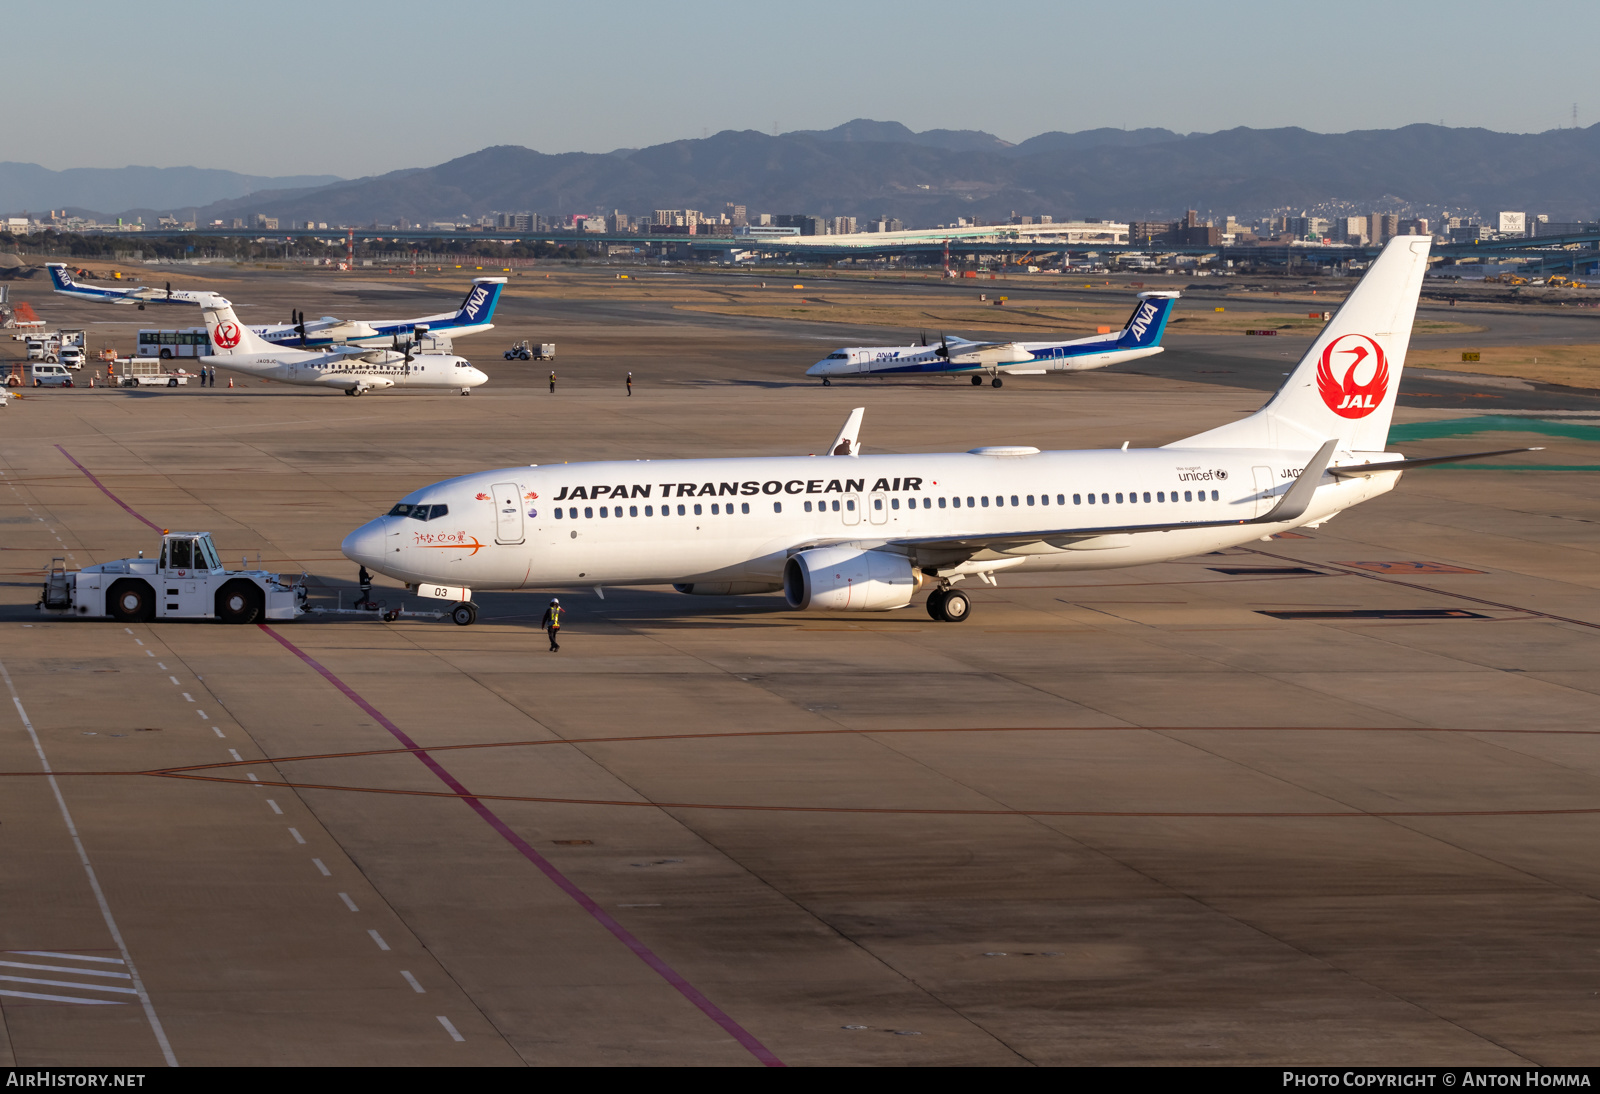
x,y
401,510
838,357
419,512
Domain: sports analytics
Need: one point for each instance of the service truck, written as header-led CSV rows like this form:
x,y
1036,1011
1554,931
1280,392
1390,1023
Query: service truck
x,y
187,581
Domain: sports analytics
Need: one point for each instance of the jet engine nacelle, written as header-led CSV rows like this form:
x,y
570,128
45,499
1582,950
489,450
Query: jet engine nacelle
x,y
727,588
848,579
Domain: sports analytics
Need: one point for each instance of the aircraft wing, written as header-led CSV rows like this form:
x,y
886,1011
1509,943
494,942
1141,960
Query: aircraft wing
x,y
932,550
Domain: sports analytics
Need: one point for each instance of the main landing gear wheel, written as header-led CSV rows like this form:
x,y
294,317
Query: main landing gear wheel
x,y
464,614
977,381
936,605
955,606
996,381
355,391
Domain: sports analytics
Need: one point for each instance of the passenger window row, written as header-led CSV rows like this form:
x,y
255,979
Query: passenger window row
x,y
848,505
1133,497
717,509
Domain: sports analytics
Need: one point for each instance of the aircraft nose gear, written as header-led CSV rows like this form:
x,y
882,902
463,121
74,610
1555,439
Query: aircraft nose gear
x,y
826,382
464,614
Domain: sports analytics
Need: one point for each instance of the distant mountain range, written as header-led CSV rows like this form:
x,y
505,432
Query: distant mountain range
x,y
27,187
869,168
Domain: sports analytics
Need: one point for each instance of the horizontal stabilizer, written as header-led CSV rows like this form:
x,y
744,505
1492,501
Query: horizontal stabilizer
x,y
1407,465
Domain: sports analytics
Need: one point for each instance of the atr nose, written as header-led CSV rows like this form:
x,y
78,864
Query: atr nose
x,y
365,545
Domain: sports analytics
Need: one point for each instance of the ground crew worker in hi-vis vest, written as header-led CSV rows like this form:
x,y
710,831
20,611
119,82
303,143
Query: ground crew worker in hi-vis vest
x,y
552,623
552,382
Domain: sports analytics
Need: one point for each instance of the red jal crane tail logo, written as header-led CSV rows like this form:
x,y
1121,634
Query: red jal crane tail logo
x,y
1345,396
226,335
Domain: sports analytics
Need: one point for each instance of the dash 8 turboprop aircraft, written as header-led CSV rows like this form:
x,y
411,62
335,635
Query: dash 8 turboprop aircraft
x,y
351,369
474,316
846,532
1139,337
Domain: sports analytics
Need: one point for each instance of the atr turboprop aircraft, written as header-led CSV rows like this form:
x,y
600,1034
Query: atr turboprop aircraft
x,y
352,369
474,316
1140,337
847,532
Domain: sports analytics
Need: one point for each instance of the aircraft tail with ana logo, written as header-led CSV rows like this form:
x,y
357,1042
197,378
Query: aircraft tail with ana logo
x,y
1345,386
1148,322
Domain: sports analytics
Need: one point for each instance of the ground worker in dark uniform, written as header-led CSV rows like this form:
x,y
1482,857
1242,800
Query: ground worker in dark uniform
x,y
552,623
630,385
552,381
365,581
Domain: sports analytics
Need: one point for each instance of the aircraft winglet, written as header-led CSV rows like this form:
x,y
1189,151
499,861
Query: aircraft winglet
x,y
847,443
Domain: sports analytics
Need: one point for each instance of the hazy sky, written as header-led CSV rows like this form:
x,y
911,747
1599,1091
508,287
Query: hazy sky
x,y
362,87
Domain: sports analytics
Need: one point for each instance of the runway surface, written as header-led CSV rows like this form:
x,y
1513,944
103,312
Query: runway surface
x,y
1164,815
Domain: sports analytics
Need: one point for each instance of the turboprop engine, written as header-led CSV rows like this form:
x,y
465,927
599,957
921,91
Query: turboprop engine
x,y
848,579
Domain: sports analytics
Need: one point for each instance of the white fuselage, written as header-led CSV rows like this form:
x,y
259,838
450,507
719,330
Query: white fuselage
x,y
1010,359
738,520
372,370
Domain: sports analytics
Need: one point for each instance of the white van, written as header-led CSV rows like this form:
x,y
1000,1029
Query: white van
x,y
72,357
44,374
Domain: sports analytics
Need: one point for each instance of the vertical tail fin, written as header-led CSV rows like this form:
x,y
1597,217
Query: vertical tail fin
x,y
228,336
1346,384
1148,321
480,303
59,274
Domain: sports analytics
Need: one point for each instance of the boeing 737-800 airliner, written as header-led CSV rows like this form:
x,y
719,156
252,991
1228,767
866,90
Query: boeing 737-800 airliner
x,y
846,532
1139,337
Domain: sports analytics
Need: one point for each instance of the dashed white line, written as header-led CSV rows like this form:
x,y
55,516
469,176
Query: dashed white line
x,y
161,666
272,803
174,680
449,1028
348,903
298,838
187,697
149,653
324,870
234,752
199,712
219,732
110,921
378,938
251,775
412,980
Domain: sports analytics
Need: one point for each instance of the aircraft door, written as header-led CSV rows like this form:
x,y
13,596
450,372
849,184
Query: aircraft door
x,y
878,507
508,512
852,509
1265,484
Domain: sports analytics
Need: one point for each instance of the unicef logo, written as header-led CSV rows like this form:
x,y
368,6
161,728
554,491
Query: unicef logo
x,y
1221,474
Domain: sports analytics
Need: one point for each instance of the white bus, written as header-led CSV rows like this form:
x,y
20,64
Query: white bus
x,y
189,342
